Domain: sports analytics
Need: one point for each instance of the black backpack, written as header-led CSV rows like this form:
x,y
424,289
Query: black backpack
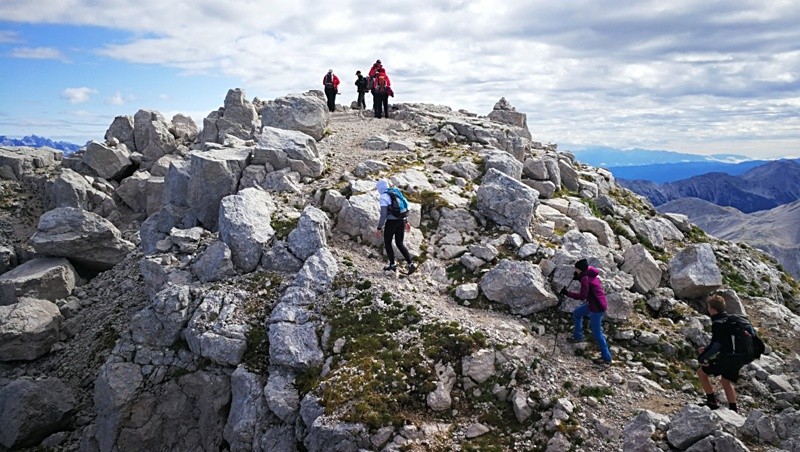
x,y
742,342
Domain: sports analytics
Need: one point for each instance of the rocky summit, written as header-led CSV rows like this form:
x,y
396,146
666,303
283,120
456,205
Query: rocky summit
x,y
171,287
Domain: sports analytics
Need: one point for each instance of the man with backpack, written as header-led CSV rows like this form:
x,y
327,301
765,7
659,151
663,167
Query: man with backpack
x,y
594,308
734,343
362,88
382,89
331,84
393,223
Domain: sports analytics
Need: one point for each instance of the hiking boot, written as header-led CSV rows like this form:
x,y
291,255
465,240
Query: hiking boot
x,y
390,268
602,362
412,267
572,340
710,405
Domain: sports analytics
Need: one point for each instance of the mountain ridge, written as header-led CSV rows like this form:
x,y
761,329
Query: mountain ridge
x,y
36,141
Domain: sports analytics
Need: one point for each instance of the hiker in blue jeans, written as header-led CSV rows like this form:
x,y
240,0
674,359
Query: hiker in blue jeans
x,y
595,308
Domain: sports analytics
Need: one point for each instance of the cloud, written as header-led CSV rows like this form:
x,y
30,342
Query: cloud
x,y
8,37
78,95
38,53
638,74
119,99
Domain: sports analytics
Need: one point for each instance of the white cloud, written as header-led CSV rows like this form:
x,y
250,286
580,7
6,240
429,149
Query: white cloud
x,y
38,53
8,37
116,99
78,95
639,74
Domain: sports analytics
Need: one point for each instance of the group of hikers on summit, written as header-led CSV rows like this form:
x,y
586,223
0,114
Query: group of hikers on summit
x,y
733,343
377,83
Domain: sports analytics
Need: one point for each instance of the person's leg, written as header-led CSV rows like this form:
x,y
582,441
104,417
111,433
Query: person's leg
x,y
361,102
730,393
596,322
378,104
374,103
577,319
385,101
399,236
331,95
388,233
705,383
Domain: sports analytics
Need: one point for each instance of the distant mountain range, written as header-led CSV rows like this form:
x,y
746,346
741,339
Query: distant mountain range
x,y
608,157
35,141
764,187
776,231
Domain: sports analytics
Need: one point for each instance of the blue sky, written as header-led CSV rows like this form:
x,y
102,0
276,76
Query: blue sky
x,y
702,77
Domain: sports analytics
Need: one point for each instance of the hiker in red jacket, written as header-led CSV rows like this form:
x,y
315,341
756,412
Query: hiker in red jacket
x,y
331,84
595,308
374,69
381,90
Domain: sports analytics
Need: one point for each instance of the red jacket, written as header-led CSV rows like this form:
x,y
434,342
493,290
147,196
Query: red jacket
x,y
373,70
388,82
335,81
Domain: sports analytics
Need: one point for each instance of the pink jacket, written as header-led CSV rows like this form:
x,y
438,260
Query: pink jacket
x,y
591,291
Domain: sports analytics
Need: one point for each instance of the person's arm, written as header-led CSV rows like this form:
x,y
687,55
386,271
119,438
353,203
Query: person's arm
x,y
709,352
584,293
383,217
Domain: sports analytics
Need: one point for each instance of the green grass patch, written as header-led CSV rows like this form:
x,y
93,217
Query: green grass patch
x,y
598,392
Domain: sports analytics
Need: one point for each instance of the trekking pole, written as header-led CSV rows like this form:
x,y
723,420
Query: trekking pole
x,y
558,324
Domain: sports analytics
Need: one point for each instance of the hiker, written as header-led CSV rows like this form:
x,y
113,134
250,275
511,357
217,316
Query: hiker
x,y
382,89
361,87
375,67
392,228
715,358
331,84
595,308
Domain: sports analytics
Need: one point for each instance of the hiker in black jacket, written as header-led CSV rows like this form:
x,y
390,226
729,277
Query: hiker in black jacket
x,y
361,86
714,360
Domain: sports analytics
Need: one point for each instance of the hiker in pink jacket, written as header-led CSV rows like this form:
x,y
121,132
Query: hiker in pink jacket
x,y
595,308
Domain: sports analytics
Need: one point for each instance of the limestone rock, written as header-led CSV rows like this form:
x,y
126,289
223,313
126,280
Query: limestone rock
x,y
31,410
690,425
282,396
71,189
310,234
439,399
693,271
133,191
637,434
28,329
214,175
121,129
216,330
83,237
152,136
214,263
479,366
505,163
246,420
183,128
519,285
645,270
42,278
305,113
288,149
108,163
244,225
507,202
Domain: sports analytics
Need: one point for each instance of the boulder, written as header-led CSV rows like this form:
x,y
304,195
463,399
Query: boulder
x,y
535,169
479,366
656,230
439,399
693,271
278,258
42,278
369,167
640,264
22,161
133,191
295,346
183,128
507,202
637,434
519,285
570,178
288,149
71,189
28,329
310,234
246,420
83,237
690,425
217,330
160,324
154,194
244,225
505,163
214,175
359,216
545,188
121,129
31,410
238,117
282,396
462,168
152,136
305,113
108,163
214,263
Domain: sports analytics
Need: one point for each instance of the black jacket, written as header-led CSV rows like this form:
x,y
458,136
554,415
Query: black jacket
x,y
719,330
361,84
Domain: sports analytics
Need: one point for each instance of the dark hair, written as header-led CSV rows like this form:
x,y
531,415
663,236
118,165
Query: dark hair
x,y
582,265
716,302
358,72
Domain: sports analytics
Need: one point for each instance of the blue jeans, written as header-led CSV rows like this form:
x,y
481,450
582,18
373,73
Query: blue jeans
x,y
596,323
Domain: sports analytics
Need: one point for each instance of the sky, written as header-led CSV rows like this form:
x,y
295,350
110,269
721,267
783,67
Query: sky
x,y
704,77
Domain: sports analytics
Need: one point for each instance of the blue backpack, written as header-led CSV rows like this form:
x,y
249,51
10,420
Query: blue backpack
x,y
399,205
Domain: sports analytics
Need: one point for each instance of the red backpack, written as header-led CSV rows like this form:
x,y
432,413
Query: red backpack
x,y
380,84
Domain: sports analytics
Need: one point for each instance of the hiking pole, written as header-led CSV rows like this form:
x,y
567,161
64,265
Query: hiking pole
x,y
558,324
